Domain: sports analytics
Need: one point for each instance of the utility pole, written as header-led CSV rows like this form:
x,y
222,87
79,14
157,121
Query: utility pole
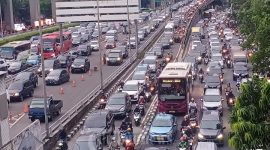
x,y
136,37
43,74
2,32
99,45
61,37
129,31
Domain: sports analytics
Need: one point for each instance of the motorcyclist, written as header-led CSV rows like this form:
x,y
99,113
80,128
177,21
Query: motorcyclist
x,y
63,134
201,71
137,109
128,121
183,143
192,105
129,134
141,100
123,126
228,88
121,84
103,96
114,145
185,121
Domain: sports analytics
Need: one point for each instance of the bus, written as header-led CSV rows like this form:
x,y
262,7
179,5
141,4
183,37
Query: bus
x,y
12,50
169,28
173,87
51,44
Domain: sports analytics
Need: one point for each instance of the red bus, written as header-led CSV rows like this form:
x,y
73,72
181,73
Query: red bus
x,y
51,44
174,87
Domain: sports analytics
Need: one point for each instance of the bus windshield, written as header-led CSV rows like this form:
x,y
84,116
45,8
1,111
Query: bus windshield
x,y
6,52
172,89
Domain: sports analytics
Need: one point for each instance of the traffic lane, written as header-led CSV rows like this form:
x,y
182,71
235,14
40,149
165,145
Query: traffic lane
x,y
137,130
71,95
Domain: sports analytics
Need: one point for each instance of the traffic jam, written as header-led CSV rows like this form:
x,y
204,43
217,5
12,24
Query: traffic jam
x,y
190,95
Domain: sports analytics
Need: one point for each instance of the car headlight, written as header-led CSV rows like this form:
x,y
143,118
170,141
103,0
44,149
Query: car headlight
x,y
72,65
147,94
51,69
81,65
136,95
107,59
53,55
199,58
39,70
207,69
171,40
17,94
119,58
200,136
220,136
204,108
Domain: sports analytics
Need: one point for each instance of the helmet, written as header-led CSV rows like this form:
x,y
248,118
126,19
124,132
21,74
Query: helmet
x,y
137,105
141,97
186,117
192,99
113,138
185,136
182,138
129,129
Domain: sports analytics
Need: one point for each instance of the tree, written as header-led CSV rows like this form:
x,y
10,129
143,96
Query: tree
x,y
46,8
250,119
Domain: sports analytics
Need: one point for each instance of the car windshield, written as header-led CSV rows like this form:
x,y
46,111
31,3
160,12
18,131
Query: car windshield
x,y
149,61
95,122
37,103
82,47
161,123
75,34
48,48
213,79
15,86
54,73
130,87
35,57
15,64
62,57
141,68
215,44
94,42
172,89
212,92
113,55
116,101
48,63
209,124
138,76
211,98
79,61
85,145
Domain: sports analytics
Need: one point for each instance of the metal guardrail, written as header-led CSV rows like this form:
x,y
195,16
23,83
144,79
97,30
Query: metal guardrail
x,y
91,96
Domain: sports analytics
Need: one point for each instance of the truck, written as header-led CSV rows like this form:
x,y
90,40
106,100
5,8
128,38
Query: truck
x,y
36,108
239,56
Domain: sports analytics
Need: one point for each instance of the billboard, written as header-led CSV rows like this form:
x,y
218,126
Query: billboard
x,y
109,10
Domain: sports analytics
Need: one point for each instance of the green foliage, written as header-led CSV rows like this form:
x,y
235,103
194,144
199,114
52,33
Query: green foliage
x,y
254,19
250,117
46,8
28,35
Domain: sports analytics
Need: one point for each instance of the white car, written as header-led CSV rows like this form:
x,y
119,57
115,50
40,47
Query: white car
x,y
212,92
76,34
132,87
227,31
218,57
215,44
228,36
212,102
140,76
195,44
94,45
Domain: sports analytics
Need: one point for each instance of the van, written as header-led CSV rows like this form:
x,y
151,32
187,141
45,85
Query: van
x,y
206,146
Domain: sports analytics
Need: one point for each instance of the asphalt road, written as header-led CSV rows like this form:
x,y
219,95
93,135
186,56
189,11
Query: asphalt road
x,y
71,94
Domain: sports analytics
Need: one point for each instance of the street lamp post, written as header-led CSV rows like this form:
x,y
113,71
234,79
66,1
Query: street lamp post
x,y
2,33
43,75
129,31
99,45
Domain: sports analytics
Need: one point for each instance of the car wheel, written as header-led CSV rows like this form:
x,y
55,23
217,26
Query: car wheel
x,y
32,119
31,93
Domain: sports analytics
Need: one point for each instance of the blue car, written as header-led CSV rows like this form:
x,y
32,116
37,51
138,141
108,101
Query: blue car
x,y
33,60
163,129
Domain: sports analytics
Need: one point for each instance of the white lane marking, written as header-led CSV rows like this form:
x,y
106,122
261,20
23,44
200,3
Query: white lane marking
x,y
150,108
17,120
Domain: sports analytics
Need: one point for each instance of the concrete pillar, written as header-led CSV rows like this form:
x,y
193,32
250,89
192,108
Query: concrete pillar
x,y
34,14
8,15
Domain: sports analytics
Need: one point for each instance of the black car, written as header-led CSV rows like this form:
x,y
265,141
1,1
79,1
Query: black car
x,y
27,77
213,81
16,67
57,77
114,58
49,65
240,69
211,128
80,64
19,90
158,50
100,121
165,43
64,60
84,50
119,104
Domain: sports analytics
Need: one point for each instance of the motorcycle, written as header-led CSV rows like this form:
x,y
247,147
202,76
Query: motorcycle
x,y
137,118
122,136
186,145
148,96
206,60
201,77
229,63
102,103
142,110
129,144
231,102
62,145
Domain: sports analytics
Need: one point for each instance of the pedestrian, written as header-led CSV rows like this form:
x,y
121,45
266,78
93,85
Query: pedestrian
x,y
69,66
104,59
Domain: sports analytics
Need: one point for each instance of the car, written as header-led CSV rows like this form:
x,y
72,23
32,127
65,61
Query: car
x,y
165,43
218,57
49,65
110,44
215,48
169,36
84,50
206,146
217,70
57,77
158,50
85,38
101,122
18,90
88,141
140,76
229,36
76,34
27,76
240,69
213,64
114,58
142,67
163,129
133,89
77,41
202,49
141,35
124,50
80,64
16,67
119,104
73,54
211,128
33,60
213,81
132,44
227,31
3,65
64,60
105,30
95,34
212,102
195,43
197,55
94,45
111,34
152,62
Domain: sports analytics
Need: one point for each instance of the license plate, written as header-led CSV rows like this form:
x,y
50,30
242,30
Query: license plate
x,y
160,138
171,111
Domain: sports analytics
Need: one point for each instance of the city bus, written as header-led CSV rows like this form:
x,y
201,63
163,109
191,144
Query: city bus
x,y
12,50
173,87
51,44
